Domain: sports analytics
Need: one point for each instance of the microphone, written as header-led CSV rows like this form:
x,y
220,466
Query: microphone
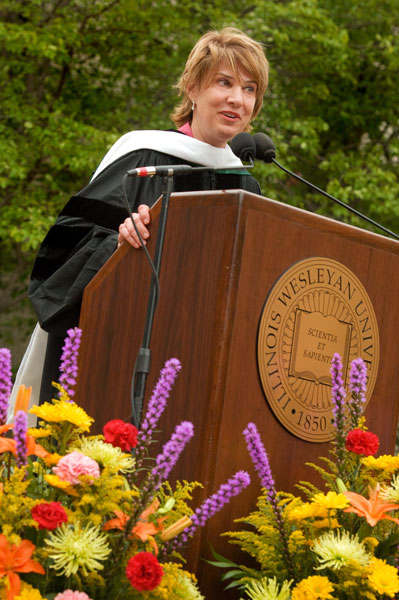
x,y
171,170
265,150
162,170
243,145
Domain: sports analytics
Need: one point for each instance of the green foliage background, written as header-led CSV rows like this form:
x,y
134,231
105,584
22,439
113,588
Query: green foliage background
x,y
77,74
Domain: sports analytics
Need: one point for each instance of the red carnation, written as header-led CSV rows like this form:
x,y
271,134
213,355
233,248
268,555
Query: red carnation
x,y
49,515
362,442
144,571
119,433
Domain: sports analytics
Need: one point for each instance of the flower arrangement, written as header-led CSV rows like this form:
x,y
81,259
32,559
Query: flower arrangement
x,y
340,543
94,517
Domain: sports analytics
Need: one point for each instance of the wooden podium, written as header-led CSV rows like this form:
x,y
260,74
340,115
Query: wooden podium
x,y
223,253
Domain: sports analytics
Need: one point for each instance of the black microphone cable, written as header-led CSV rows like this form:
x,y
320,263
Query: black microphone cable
x,y
265,150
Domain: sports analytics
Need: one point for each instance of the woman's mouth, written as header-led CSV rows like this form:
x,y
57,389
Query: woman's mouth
x,y
230,115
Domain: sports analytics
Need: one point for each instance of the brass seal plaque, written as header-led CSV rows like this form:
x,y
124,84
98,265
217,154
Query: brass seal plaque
x,y
316,308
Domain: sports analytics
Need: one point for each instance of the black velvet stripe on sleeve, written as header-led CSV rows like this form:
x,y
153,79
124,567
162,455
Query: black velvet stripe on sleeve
x,y
56,246
99,212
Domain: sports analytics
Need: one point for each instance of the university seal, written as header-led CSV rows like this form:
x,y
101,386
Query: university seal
x,y
317,308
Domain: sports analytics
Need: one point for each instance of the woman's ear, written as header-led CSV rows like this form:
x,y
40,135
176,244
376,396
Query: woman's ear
x,y
191,91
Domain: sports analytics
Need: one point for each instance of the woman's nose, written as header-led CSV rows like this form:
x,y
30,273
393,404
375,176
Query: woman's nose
x,y
235,95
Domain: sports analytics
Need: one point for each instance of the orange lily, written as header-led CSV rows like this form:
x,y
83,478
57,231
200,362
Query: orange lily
x,y
16,558
373,509
33,448
8,444
144,531
22,399
176,528
118,523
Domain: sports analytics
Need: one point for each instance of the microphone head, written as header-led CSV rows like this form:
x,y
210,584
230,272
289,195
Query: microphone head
x,y
243,146
265,149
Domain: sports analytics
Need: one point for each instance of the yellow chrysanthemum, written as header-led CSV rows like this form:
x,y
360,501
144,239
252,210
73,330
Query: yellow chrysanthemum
x,y
39,432
52,459
268,589
337,548
177,583
330,523
55,481
28,593
391,493
60,410
108,456
75,547
383,578
313,588
386,462
307,510
331,500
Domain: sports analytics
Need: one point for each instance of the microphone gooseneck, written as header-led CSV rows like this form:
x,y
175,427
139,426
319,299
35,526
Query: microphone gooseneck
x,y
265,150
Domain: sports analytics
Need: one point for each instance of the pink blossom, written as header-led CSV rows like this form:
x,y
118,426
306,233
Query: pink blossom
x,y
72,465
70,595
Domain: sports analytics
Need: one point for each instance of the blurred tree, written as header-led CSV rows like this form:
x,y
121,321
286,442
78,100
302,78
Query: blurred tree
x,y
333,107
76,74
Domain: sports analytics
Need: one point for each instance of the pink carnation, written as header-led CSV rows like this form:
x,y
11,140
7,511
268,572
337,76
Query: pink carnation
x,y
71,466
70,595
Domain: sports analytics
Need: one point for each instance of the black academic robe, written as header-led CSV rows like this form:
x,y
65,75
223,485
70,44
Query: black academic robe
x,y
86,232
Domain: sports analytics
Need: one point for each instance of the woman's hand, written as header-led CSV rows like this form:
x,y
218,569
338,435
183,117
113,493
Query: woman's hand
x,y
127,232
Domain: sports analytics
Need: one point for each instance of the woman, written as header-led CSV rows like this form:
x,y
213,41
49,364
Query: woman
x,y
222,90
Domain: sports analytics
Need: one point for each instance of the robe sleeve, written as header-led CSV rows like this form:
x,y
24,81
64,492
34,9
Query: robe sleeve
x,y
84,236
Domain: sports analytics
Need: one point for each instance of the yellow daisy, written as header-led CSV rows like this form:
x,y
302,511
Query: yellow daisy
x,y
55,481
28,593
316,587
331,500
37,433
383,578
307,510
386,462
60,410
52,459
330,523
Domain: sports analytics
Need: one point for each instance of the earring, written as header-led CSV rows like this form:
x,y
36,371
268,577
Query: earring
x,y
193,106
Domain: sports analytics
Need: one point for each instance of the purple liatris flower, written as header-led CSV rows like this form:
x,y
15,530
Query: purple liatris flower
x,y
5,383
338,391
158,400
69,360
259,458
214,503
338,395
357,388
171,451
20,430
261,463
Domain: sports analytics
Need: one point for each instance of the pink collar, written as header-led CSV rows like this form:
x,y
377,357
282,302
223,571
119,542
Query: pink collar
x,y
186,129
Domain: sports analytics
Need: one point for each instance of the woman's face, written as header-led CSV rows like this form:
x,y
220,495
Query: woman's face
x,y
223,108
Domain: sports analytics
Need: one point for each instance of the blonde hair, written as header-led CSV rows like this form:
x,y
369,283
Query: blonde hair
x,y
240,52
